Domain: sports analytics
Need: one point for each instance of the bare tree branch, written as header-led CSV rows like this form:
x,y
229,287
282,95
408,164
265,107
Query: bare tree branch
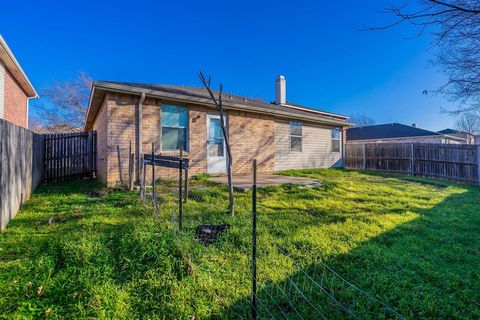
x,y
63,105
219,106
468,122
455,25
361,120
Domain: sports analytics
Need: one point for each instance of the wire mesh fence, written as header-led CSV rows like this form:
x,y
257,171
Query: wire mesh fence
x,y
318,292
268,282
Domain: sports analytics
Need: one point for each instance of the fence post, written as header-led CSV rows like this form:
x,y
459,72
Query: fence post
x,y
412,148
142,177
154,187
130,167
254,241
185,192
478,164
365,156
180,200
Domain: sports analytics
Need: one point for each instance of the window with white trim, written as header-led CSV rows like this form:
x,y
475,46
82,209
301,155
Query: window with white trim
x,y
296,137
174,127
336,137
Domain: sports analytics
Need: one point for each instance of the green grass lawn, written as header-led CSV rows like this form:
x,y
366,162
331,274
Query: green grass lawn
x,y
412,243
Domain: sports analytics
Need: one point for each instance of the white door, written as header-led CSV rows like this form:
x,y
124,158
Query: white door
x,y
216,152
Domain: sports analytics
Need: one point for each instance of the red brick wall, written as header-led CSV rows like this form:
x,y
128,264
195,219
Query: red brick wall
x,y
101,126
15,107
251,137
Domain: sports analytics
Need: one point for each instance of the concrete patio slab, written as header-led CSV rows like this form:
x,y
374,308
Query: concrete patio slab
x,y
244,182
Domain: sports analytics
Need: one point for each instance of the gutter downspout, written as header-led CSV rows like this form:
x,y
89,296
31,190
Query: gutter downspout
x,y
140,137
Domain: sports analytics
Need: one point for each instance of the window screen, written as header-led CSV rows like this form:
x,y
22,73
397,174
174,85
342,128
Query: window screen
x,y
174,127
336,137
296,137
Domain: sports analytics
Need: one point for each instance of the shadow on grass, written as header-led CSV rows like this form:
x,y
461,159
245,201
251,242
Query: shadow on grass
x,y
425,268
115,261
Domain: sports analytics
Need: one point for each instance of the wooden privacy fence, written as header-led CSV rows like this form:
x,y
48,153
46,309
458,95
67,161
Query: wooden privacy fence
x,y
458,162
21,168
70,155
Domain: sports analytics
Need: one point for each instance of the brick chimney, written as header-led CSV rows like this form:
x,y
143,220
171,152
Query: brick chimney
x,y
280,90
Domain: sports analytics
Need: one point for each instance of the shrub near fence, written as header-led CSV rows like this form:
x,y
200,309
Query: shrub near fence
x,y
21,168
458,162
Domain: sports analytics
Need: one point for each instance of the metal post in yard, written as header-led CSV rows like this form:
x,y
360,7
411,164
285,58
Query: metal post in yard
x,y
142,177
180,165
254,241
130,164
154,189
185,192
478,164
365,156
413,159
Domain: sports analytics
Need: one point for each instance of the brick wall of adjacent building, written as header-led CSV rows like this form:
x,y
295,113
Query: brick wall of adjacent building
x,y
15,103
251,136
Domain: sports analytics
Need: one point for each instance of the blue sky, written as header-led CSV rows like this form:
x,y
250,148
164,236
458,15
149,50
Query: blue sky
x,y
328,60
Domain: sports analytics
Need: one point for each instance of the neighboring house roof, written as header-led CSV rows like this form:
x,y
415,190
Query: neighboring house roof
x,y
200,96
449,131
389,131
15,69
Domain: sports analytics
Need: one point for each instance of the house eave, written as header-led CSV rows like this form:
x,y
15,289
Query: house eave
x,y
15,69
110,87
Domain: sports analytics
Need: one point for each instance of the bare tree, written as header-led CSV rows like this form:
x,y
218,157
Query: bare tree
x,y
468,122
219,106
361,120
455,25
63,105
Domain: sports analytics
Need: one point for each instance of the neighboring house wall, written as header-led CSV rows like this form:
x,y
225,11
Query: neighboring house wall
x,y
15,101
316,148
476,139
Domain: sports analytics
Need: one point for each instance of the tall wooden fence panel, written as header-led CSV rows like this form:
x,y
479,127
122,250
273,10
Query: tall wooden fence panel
x,y
70,155
446,161
21,168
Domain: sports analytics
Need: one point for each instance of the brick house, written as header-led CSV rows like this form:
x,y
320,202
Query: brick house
x,y
280,135
15,88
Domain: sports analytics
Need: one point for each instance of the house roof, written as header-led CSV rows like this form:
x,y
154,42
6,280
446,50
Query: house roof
x,y
449,131
200,96
15,69
387,131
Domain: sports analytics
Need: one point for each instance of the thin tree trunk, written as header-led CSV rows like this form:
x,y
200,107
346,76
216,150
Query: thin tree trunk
x,y
231,208
219,106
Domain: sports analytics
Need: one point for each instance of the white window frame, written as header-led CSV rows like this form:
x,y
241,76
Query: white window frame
x,y
339,139
290,125
177,127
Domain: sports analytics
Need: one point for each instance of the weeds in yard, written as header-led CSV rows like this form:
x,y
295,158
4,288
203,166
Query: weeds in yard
x,y
411,242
